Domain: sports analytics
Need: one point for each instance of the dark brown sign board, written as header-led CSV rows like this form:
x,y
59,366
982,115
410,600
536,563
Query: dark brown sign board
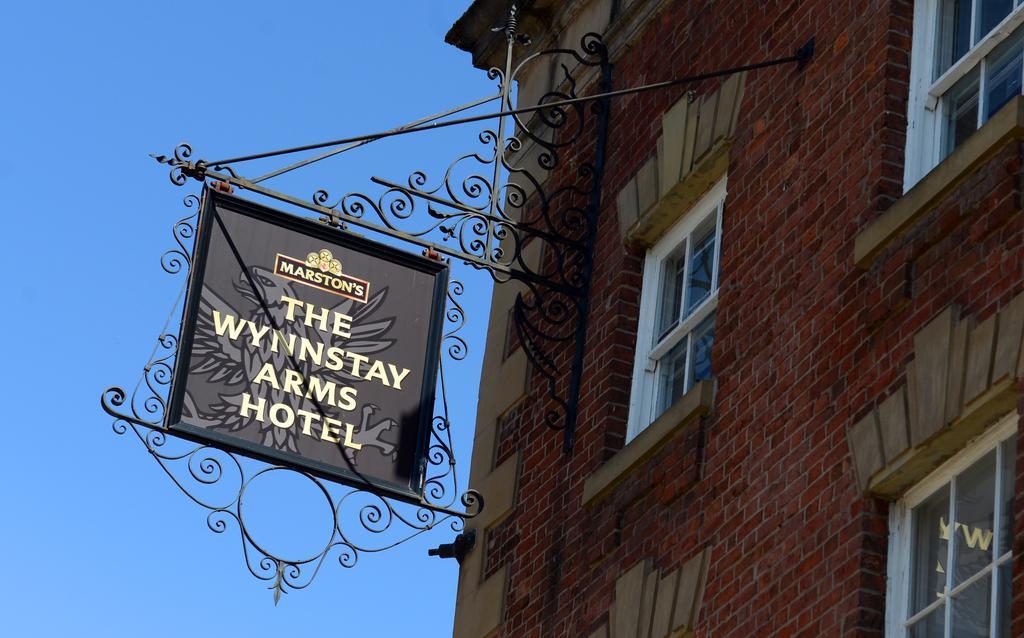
x,y
308,346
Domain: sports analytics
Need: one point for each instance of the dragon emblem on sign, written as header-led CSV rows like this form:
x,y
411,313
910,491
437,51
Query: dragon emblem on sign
x,y
230,363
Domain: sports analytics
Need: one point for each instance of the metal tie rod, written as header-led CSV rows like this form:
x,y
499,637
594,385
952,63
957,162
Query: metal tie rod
x,y
348,147
800,57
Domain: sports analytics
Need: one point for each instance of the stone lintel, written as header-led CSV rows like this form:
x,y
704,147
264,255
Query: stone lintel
x,y
916,463
680,197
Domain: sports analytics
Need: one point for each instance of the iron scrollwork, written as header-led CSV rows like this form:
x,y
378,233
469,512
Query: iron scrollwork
x,y
514,209
490,206
492,210
358,521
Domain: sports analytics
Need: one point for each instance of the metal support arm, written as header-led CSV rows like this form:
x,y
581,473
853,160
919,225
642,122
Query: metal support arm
x,y
489,210
490,205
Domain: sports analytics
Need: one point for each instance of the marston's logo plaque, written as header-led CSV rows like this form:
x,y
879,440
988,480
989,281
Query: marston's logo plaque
x,y
296,362
321,270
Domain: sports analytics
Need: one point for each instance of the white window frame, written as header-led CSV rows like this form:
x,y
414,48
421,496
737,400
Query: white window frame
x,y
901,550
643,398
926,111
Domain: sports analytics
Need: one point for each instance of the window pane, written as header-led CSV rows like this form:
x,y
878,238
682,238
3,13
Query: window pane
x,y
672,369
700,361
931,626
991,13
672,273
1002,74
1008,472
972,610
954,33
961,110
702,266
931,534
975,514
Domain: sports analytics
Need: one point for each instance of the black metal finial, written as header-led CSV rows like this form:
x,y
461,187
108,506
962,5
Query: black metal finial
x,y
510,26
512,23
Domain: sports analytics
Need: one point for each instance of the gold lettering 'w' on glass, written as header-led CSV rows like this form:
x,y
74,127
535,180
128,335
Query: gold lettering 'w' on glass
x,y
960,580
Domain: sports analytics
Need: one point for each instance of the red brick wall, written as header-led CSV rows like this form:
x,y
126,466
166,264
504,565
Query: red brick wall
x,y
805,342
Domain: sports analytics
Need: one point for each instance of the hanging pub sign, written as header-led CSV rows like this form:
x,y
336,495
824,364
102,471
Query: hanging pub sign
x,y
308,347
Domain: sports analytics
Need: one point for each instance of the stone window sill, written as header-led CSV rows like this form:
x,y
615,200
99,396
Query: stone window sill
x,y
1002,128
693,404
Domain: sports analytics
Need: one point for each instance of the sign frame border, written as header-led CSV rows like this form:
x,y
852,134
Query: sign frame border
x,y
413,492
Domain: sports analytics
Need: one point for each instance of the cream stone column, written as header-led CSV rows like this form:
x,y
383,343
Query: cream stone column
x,y
479,605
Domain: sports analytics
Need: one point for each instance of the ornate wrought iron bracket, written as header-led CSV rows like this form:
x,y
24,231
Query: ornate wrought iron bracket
x,y
489,219
491,209
513,208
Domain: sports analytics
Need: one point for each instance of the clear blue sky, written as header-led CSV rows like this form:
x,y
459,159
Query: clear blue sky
x,y
97,541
